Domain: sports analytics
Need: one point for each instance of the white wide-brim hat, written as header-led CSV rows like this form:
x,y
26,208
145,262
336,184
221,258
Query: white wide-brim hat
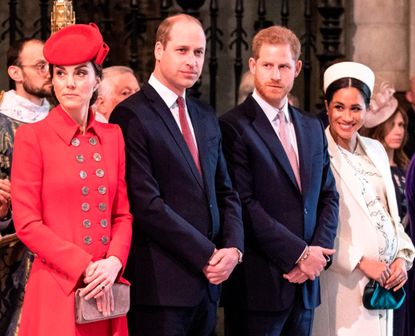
x,y
349,70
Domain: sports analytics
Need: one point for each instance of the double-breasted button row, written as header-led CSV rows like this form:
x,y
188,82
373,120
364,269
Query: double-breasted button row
x,y
88,240
86,190
87,223
81,158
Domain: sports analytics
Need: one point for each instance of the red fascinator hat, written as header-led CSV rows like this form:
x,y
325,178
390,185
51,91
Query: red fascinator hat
x,y
75,44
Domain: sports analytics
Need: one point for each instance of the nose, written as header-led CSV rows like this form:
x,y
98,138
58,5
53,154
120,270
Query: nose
x,y
347,115
70,82
191,59
275,75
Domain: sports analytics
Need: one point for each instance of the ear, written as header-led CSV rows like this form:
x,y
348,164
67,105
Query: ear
x,y
252,65
158,50
98,81
15,73
298,66
327,106
409,97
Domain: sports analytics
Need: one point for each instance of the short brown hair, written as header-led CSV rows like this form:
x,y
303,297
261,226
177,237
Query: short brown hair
x,y
163,30
276,35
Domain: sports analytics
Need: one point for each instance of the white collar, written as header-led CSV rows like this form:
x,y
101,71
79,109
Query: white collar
x,y
164,92
271,111
22,109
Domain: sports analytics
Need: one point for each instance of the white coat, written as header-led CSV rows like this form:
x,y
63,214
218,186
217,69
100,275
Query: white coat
x,y
341,311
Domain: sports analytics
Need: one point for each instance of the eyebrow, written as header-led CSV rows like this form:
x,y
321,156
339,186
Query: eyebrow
x,y
76,68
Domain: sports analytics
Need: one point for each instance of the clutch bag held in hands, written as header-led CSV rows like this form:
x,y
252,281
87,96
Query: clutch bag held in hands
x,y
86,310
377,297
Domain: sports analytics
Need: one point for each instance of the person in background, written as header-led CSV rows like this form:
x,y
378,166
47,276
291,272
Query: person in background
x,y
278,161
370,242
26,103
118,83
387,123
70,204
187,229
410,97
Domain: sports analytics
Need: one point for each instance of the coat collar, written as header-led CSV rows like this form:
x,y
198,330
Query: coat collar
x,y
161,109
67,128
345,173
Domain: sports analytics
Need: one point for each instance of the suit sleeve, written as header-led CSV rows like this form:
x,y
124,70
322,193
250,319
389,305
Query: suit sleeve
x,y
273,237
120,215
153,216
27,176
328,204
229,206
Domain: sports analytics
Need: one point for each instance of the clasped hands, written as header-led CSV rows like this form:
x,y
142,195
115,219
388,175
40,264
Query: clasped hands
x,y
99,277
392,275
311,267
221,264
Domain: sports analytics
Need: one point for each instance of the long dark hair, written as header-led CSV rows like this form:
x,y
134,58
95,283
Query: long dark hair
x,y
380,131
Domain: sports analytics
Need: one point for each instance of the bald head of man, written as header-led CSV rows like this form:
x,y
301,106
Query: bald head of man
x,y
118,83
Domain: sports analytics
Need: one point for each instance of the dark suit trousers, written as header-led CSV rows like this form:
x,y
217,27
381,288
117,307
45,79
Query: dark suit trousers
x,y
295,321
173,321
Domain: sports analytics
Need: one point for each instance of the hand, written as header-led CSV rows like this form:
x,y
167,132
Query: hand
x,y
398,275
296,276
5,197
100,276
105,302
221,265
375,270
315,262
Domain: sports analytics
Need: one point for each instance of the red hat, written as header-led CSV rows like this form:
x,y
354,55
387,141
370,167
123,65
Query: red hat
x,y
75,44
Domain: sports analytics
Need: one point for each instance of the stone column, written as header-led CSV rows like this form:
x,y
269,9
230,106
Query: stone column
x,y
379,36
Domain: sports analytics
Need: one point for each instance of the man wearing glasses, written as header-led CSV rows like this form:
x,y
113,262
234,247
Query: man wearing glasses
x,y
26,103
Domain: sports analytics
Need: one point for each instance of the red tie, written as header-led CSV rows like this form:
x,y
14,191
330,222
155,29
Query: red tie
x,y
187,134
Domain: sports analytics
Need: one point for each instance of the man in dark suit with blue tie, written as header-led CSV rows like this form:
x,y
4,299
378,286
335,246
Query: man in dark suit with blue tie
x,y
187,230
278,160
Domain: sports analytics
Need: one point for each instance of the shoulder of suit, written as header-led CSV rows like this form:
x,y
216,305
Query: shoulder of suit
x,y
248,105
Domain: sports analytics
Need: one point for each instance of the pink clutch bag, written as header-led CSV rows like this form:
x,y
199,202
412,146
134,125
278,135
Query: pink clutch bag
x,y
86,310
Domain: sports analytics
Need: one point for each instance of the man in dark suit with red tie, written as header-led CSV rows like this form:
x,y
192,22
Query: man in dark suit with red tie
x,y
278,160
187,230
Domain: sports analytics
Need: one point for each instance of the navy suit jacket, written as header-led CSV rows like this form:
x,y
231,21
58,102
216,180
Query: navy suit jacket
x,y
279,219
179,215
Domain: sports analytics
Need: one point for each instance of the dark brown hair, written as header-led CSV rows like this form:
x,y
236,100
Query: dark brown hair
x,y
379,133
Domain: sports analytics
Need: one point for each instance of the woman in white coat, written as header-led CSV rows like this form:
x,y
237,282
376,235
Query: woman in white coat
x,y
371,242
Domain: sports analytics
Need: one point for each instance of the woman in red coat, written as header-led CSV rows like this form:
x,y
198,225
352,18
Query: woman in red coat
x,y
70,204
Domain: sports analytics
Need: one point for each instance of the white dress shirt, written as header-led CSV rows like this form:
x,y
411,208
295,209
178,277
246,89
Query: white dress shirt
x,y
170,98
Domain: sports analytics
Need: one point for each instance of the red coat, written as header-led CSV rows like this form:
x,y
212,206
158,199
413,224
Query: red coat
x,y
70,206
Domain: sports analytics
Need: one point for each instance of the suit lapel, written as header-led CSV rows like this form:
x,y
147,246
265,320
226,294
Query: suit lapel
x,y
264,129
166,116
304,154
